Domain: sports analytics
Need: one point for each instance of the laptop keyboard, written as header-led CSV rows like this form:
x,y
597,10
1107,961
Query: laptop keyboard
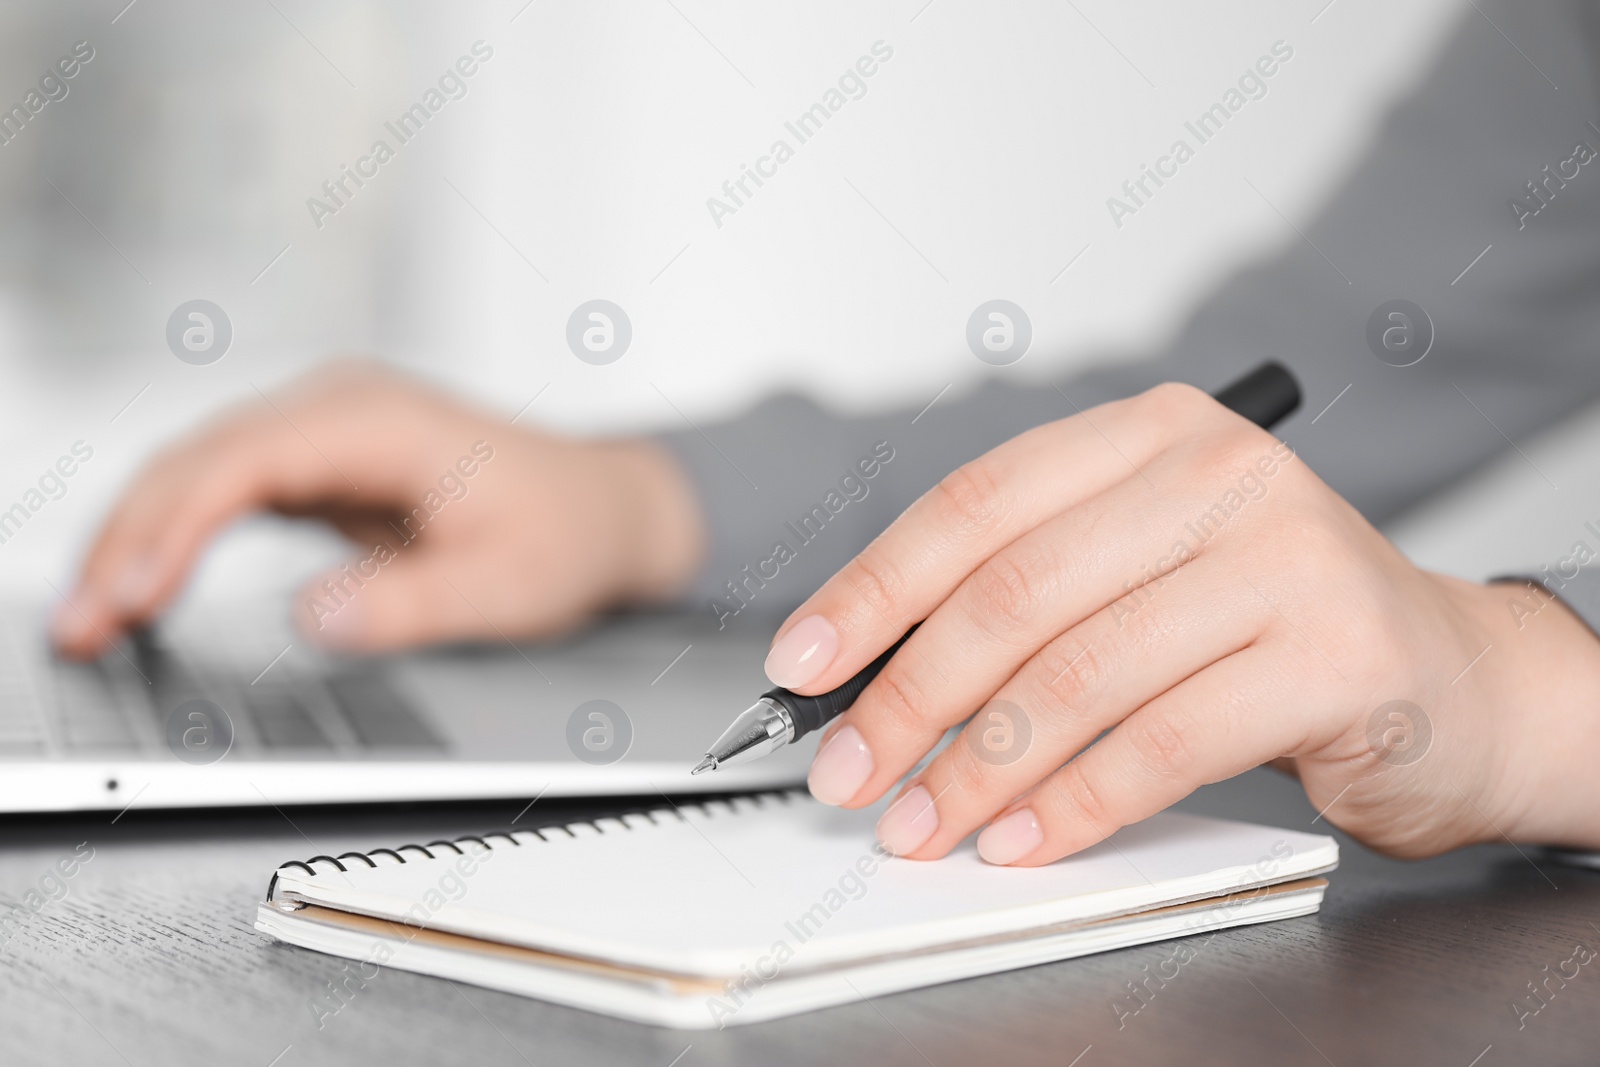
x,y
284,721
119,705
22,731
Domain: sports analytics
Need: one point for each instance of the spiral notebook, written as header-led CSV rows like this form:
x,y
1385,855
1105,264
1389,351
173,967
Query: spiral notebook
x,y
729,912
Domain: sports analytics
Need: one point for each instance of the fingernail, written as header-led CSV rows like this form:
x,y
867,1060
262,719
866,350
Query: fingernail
x,y
1009,839
803,653
135,585
67,624
909,822
842,767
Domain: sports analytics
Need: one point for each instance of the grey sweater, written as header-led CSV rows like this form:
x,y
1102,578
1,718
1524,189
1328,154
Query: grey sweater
x,y
1482,155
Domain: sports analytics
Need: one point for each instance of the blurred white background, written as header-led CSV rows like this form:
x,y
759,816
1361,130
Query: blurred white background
x,y
578,165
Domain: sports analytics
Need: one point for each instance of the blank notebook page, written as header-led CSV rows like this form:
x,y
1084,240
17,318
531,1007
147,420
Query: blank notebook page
x,y
702,889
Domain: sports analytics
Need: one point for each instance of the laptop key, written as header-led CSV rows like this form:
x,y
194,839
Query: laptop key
x,y
380,717
88,711
19,717
283,721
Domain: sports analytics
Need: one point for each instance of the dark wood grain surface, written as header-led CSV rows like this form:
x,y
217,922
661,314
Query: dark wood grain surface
x,y
149,958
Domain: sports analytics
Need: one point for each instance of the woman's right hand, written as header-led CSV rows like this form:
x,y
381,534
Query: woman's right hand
x,y
465,527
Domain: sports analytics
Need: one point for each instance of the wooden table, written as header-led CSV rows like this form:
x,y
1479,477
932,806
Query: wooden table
x,y
150,959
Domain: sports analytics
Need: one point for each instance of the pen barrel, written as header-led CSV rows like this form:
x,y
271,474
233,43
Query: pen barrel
x,y
1264,396
812,713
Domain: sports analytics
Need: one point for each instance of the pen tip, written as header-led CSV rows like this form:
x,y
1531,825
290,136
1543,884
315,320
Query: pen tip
x,y
707,764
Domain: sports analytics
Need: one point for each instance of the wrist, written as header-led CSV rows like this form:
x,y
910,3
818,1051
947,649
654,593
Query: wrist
x,y
1545,706
663,540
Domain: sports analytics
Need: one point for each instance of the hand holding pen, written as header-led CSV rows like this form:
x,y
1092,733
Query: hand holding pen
x,y
1264,396
1151,596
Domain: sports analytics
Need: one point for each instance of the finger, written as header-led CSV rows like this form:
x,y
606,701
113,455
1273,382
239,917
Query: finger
x,y
914,564
361,526
1286,765
390,599
294,453
1081,684
1040,585
1228,718
160,524
929,550
401,596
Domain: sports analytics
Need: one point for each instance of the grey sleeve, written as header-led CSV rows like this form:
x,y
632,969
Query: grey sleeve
x,y
1477,200
1579,591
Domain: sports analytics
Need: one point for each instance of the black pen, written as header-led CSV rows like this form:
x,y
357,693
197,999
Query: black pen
x,y
1264,396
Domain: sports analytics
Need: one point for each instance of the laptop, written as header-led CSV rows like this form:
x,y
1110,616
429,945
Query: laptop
x,y
208,712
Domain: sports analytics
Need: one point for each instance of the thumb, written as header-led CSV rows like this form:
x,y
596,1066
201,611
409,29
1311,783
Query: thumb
x,y
394,600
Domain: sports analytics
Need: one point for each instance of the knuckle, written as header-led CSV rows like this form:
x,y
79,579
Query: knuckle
x,y
1240,450
1223,456
900,701
970,775
1072,681
1163,743
1078,801
877,581
1012,588
1176,400
1324,558
969,498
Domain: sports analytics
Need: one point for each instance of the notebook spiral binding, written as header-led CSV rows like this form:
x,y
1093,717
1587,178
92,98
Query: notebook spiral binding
x,y
705,807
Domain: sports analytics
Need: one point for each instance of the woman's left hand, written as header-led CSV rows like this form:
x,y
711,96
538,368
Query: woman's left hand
x,y
1162,572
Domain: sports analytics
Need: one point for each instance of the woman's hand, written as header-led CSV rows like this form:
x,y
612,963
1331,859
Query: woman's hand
x,y
1161,572
465,526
